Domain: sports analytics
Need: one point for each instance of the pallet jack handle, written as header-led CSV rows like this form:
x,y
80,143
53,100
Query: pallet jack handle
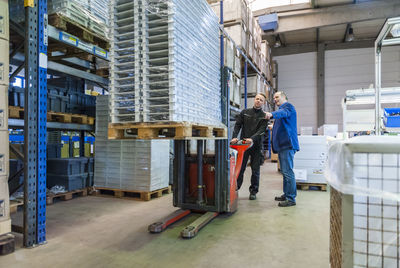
x,y
241,146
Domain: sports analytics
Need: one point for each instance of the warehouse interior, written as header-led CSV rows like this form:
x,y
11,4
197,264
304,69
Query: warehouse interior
x,y
118,119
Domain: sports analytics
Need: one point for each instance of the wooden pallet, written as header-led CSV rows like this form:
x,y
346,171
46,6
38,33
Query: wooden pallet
x,y
65,24
65,196
169,130
14,204
69,118
311,186
15,112
234,104
129,194
18,112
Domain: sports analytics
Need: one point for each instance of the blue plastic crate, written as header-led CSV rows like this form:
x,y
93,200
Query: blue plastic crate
x,y
391,120
268,22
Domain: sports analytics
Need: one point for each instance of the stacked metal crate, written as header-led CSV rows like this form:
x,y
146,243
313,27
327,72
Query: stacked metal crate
x,y
5,222
92,14
124,80
128,164
165,62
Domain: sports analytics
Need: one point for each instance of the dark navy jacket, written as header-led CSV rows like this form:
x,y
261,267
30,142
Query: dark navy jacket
x,y
284,133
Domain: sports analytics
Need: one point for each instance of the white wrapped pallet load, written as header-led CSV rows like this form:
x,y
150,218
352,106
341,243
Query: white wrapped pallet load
x,y
164,63
311,159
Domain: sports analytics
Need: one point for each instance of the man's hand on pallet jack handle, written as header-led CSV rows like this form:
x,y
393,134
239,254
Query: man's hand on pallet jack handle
x,y
247,141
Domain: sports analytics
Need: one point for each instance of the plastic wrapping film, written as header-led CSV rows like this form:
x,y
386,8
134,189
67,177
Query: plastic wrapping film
x,y
355,164
92,14
164,62
368,169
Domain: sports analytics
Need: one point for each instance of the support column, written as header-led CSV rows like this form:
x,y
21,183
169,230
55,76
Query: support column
x,y
31,123
321,84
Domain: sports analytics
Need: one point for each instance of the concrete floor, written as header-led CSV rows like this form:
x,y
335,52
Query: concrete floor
x,y
110,232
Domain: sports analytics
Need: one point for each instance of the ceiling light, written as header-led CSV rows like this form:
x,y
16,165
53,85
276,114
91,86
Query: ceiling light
x,y
395,31
278,42
350,35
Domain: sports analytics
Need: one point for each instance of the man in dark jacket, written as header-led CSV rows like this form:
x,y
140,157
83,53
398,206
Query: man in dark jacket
x,y
253,124
286,144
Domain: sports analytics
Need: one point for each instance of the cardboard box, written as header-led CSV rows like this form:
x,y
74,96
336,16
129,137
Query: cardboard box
x,y
3,108
5,222
229,53
237,67
4,153
4,21
238,34
274,157
306,131
4,62
328,130
234,11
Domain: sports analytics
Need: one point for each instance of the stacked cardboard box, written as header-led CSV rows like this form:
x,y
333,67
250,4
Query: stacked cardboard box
x,y
246,32
5,222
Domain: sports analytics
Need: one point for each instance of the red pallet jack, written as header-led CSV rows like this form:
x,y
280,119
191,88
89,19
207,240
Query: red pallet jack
x,y
204,183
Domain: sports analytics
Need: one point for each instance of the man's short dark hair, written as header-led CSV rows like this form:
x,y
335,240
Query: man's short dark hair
x,y
262,94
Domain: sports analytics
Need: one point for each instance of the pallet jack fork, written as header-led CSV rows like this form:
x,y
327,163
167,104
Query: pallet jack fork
x,y
224,197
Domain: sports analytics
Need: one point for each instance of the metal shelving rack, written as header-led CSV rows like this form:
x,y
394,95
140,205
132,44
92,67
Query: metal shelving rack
x,y
381,41
247,60
34,60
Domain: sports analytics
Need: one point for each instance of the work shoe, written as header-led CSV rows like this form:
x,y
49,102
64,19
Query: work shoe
x,y
252,197
280,198
286,203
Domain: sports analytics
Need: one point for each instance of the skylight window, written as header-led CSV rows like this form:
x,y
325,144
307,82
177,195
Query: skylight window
x,y
262,4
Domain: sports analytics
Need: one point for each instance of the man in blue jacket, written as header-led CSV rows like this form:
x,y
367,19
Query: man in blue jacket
x,y
286,144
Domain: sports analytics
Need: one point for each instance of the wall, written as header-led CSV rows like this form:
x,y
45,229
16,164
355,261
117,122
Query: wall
x,y
344,70
297,77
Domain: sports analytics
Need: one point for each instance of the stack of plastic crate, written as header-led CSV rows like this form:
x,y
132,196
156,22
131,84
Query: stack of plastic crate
x,y
124,92
173,47
89,13
128,164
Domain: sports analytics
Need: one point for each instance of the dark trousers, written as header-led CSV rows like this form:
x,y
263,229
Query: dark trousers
x,y
255,161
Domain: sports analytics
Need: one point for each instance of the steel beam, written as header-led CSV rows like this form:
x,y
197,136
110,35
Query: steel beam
x,y
321,85
312,47
336,15
31,124
19,123
77,73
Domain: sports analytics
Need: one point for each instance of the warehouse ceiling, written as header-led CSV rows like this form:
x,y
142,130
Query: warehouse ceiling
x,y
337,23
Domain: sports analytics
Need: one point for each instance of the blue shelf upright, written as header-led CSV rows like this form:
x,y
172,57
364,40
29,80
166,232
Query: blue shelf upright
x,y
42,122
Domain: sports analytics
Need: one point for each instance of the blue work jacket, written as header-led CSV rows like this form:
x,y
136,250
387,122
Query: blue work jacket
x,y
284,132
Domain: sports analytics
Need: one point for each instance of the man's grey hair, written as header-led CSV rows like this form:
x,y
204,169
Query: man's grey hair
x,y
282,94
